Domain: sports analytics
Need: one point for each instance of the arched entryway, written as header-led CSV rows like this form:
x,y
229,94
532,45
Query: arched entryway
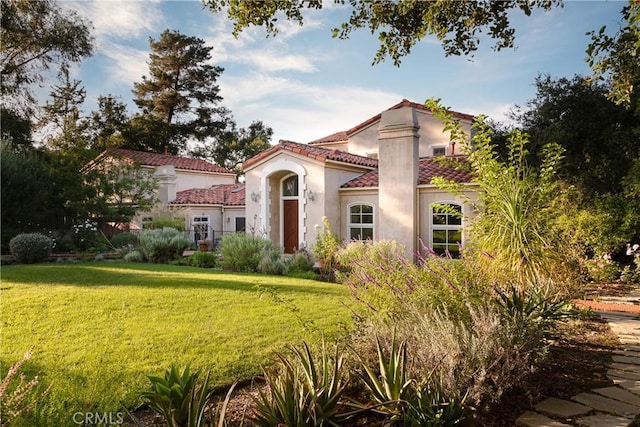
x,y
282,183
290,213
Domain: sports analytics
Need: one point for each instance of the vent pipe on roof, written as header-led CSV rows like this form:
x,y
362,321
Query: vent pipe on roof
x,y
166,150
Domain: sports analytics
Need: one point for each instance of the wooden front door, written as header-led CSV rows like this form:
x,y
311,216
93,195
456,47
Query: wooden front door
x,y
290,225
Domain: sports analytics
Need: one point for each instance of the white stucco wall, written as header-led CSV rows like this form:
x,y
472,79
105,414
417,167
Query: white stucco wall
x,y
430,135
187,180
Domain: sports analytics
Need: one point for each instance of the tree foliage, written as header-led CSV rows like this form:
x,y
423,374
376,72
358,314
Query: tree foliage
x,y
116,191
514,230
107,126
617,57
599,137
35,36
62,117
24,177
399,25
234,146
180,95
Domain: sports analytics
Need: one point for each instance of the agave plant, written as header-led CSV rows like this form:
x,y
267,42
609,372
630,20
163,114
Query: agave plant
x,y
303,390
391,386
180,397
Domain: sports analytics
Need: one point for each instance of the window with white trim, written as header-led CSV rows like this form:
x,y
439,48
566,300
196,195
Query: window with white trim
x,y
200,226
439,151
446,228
360,224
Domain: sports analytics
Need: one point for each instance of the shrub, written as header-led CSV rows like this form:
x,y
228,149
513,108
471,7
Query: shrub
x,y
18,399
202,259
602,269
180,397
125,239
301,262
326,246
243,252
163,245
29,248
134,256
274,262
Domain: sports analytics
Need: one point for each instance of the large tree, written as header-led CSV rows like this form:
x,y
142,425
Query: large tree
x,y
599,137
180,95
399,25
62,115
234,145
108,124
37,35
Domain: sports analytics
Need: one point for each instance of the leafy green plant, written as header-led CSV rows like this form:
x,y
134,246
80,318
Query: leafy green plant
x,y
326,246
523,308
180,397
203,259
428,406
389,383
303,391
163,245
29,248
21,398
243,252
124,239
514,231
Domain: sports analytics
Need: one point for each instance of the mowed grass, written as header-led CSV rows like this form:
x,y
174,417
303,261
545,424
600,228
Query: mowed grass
x,y
98,329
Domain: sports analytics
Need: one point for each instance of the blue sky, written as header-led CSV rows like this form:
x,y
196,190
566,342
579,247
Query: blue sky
x,y
305,84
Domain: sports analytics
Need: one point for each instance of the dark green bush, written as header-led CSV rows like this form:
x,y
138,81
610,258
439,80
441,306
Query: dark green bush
x,y
29,248
203,259
122,240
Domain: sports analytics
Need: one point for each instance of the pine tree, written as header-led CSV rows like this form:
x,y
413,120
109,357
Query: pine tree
x,y
179,96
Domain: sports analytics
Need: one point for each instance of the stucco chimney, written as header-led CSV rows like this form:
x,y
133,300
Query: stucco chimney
x,y
166,176
398,176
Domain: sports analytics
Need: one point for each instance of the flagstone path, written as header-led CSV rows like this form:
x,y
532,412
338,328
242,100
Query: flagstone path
x,y
614,406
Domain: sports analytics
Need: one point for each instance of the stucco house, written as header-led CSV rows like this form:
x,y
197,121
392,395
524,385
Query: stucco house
x,y
205,194
372,181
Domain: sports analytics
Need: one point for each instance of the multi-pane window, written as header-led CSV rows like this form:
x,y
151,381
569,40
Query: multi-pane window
x,y
200,228
360,222
446,228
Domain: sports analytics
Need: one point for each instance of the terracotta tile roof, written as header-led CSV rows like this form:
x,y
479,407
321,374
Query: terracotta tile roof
x,y
155,159
368,122
224,194
317,153
429,167
334,137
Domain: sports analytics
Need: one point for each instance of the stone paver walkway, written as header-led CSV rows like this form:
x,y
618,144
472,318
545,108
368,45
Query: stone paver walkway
x,y
614,406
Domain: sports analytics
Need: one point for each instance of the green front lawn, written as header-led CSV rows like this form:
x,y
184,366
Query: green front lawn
x,y
98,329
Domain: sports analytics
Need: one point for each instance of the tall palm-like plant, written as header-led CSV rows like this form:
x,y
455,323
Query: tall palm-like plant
x,y
514,230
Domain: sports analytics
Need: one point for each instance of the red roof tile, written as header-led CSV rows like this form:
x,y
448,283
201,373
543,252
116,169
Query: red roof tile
x,y
317,153
334,137
404,103
224,194
155,159
451,168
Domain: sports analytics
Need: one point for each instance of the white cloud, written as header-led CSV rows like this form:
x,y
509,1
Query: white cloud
x,y
301,112
126,64
272,61
118,18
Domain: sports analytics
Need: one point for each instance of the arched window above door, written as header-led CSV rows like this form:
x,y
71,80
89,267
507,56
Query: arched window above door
x,y
290,186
